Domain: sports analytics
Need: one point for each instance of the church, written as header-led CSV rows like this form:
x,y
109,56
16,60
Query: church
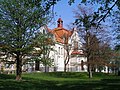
x,y
67,55
68,49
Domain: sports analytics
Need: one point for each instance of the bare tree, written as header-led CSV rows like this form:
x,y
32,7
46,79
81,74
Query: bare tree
x,y
90,33
66,51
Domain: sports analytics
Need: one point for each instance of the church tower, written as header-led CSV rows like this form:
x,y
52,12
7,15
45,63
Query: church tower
x,y
60,22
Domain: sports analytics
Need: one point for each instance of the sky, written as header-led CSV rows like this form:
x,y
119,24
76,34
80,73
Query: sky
x,y
65,11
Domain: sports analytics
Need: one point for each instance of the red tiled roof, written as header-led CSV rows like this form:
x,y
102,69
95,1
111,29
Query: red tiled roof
x,y
61,34
76,52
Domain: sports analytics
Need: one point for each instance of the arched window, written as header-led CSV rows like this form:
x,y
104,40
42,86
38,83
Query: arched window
x,y
82,64
59,50
75,45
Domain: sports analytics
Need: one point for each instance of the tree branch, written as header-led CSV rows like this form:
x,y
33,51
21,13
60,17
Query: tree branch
x,y
107,12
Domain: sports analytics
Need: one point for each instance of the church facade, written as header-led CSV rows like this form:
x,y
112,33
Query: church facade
x,y
68,49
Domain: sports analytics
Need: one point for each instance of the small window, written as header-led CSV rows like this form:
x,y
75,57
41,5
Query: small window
x,y
75,45
59,50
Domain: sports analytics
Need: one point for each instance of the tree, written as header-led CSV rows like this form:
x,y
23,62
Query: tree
x,y
104,6
94,49
86,22
116,27
117,58
100,54
116,30
83,20
66,52
106,55
19,22
43,46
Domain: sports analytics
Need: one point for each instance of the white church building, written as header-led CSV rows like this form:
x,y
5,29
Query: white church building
x,y
67,42
67,39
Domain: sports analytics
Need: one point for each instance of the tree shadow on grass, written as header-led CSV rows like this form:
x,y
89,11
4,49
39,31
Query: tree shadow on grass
x,y
31,85
50,85
8,82
6,76
111,84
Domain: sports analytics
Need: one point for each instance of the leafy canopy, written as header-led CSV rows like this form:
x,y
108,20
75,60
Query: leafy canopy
x,y
19,23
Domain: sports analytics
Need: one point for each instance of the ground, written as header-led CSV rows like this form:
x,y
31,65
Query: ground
x,y
60,81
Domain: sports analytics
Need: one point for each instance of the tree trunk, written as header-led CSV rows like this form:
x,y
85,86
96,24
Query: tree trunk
x,y
45,68
108,70
65,67
66,61
88,54
82,68
18,67
37,65
45,65
90,71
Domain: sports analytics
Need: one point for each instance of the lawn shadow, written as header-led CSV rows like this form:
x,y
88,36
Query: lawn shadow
x,y
8,82
7,76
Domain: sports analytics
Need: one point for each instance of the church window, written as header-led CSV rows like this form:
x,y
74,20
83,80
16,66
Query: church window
x,y
82,64
59,50
75,45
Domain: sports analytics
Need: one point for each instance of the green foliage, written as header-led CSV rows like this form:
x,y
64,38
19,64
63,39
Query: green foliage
x,y
117,55
43,42
104,8
117,47
19,23
71,1
85,19
83,1
116,26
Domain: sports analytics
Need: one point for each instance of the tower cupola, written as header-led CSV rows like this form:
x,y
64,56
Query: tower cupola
x,y
60,22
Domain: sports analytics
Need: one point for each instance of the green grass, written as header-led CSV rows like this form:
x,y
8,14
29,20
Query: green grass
x,y
60,81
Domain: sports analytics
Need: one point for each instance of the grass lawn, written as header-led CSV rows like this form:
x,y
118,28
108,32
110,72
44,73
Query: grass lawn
x,y
60,81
